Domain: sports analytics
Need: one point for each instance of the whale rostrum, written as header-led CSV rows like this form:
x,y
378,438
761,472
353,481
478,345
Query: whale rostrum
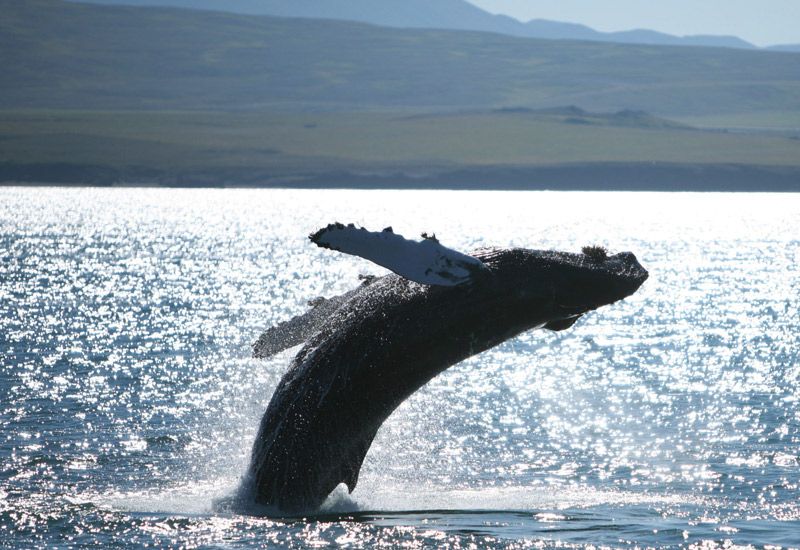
x,y
367,350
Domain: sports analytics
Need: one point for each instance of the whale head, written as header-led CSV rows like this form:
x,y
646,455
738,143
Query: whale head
x,y
541,288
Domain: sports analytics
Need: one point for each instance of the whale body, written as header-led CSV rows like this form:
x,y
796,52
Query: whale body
x,y
378,344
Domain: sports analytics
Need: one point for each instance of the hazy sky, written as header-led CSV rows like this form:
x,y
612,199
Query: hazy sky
x,y
762,22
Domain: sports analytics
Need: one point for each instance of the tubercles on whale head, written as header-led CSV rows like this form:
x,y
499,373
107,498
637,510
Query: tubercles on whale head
x,y
595,253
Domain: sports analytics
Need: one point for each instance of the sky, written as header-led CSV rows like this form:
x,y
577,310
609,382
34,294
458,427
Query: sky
x,y
762,22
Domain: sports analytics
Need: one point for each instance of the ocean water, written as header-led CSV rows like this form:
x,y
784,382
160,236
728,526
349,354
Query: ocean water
x,y
129,402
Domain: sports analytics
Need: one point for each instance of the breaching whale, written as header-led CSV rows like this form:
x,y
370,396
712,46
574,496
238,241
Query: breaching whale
x,y
366,351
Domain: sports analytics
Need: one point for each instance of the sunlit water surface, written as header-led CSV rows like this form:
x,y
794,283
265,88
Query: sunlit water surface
x,y
128,401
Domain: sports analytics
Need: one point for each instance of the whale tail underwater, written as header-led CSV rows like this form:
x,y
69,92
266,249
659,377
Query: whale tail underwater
x,y
367,350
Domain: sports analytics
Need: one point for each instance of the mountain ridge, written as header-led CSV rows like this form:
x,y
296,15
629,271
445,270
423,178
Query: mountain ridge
x,y
442,14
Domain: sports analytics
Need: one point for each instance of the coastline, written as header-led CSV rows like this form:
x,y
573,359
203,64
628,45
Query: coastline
x,y
648,176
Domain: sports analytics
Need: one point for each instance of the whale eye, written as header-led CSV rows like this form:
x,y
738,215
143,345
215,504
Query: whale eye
x,y
595,253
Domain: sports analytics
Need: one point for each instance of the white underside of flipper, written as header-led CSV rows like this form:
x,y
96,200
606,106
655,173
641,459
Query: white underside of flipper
x,y
426,261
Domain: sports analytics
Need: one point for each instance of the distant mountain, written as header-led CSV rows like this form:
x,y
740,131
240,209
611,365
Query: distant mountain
x,y
434,14
439,14
643,36
541,28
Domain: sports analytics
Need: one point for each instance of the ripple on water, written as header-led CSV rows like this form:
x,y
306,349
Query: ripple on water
x,y
129,401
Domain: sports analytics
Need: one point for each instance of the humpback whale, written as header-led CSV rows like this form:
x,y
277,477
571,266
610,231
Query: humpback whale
x,y
366,351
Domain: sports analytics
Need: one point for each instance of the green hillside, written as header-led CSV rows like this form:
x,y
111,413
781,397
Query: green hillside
x,y
216,148
75,56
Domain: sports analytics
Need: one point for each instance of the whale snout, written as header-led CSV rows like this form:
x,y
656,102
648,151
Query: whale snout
x,y
627,270
630,268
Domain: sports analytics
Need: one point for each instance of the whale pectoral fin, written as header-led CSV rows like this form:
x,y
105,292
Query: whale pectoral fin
x,y
283,336
426,262
562,324
298,329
